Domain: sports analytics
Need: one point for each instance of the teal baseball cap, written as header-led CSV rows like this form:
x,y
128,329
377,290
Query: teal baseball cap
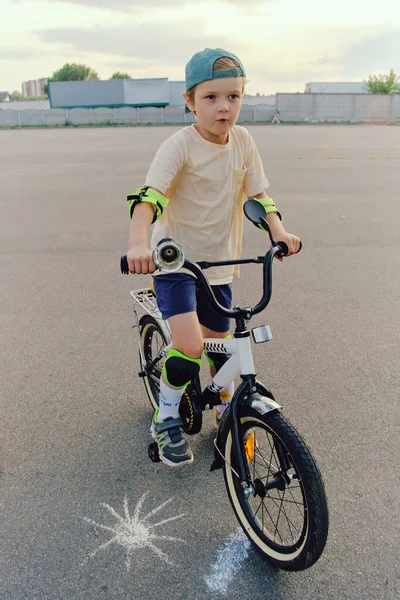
x,y
200,67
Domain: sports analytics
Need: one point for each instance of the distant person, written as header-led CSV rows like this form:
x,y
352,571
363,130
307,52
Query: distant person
x,y
194,193
275,118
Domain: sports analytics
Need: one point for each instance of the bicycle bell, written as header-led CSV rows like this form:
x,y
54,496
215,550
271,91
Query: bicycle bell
x,y
168,256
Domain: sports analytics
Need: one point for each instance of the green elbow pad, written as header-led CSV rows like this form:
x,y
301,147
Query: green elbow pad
x,y
152,197
269,206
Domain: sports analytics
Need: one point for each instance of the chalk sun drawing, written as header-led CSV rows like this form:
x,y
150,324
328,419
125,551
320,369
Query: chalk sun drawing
x,y
135,532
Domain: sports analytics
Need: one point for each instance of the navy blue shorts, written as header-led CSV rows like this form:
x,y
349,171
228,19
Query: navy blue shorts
x,y
177,293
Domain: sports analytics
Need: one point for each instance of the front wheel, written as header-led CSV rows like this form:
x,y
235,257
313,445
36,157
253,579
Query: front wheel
x,y
286,515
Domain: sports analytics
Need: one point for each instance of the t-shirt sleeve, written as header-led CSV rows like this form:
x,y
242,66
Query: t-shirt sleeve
x,y
168,161
255,180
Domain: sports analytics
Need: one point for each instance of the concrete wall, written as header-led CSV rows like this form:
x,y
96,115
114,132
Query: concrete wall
x,y
257,100
126,115
396,108
354,108
307,108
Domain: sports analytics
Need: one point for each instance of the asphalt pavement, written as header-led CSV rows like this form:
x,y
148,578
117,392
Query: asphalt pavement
x,y
84,513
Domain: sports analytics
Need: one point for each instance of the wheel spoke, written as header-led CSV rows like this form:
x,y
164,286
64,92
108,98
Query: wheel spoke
x,y
282,508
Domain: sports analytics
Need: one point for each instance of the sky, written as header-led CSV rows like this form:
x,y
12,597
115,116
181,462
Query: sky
x,y
283,44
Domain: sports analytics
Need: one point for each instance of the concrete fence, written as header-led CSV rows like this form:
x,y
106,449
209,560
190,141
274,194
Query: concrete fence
x,y
353,108
118,116
307,108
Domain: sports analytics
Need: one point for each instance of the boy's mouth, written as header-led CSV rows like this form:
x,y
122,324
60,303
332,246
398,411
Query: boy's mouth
x,y
222,120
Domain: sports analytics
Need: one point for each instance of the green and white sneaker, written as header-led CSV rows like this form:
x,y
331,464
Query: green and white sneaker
x,y
173,448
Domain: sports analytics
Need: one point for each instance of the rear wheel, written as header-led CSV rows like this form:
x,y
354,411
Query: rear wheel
x,y
286,515
152,343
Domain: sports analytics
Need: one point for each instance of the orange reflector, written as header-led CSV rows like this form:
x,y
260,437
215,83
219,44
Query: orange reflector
x,y
249,448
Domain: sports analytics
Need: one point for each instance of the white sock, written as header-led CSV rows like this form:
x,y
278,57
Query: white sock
x,y
226,397
169,401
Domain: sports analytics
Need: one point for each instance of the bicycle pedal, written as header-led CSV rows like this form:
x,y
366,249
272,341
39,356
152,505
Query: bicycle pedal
x,y
153,452
142,374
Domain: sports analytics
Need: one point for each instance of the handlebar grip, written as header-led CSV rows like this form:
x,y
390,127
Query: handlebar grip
x,y
284,249
124,265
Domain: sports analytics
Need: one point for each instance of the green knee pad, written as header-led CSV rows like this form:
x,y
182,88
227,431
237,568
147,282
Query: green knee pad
x,y
179,369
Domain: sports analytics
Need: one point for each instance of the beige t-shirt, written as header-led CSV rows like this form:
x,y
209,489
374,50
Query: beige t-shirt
x,y
206,184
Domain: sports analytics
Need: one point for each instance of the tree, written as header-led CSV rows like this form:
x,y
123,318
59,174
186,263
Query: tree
x,y
72,72
119,75
15,96
383,84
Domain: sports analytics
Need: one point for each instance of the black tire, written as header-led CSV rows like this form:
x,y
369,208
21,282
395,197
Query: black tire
x,y
289,525
152,341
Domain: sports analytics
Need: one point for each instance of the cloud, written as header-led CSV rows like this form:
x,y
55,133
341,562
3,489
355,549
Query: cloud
x,y
23,54
132,5
153,42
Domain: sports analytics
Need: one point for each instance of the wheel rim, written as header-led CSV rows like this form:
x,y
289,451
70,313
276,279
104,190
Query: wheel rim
x,y
153,343
275,519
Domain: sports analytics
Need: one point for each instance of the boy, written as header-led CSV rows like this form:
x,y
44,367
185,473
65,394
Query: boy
x,y
194,193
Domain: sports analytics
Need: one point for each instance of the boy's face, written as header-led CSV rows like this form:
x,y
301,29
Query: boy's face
x,y
217,104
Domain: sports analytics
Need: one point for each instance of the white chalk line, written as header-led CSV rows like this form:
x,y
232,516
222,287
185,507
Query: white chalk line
x,y
230,559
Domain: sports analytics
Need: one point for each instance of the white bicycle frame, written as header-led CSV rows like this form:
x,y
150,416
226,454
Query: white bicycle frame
x,y
240,361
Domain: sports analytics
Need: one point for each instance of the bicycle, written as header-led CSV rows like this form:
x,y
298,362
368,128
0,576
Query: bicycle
x,y
273,482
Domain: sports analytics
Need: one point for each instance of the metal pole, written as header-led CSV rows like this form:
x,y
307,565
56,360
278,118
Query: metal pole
x,y
19,118
138,115
43,117
162,115
66,116
90,115
114,115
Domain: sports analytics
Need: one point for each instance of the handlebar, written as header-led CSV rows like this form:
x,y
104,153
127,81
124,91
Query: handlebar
x,y
170,251
169,256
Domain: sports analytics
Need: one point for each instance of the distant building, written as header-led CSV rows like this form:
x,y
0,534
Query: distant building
x,y
5,97
336,87
116,93
176,89
34,87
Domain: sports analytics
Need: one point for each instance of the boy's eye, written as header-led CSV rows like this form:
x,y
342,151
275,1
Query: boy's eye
x,y
211,96
234,96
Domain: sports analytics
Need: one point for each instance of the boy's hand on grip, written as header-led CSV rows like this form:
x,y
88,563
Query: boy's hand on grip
x,y
140,260
292,242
